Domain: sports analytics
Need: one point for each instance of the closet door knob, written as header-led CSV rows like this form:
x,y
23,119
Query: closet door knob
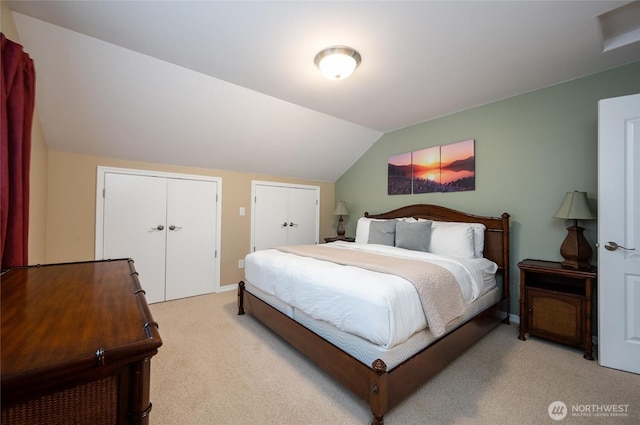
x,y
284,224
172,227
160,227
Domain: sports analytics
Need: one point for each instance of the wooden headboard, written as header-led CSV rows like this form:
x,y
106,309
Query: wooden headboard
x,y
496,236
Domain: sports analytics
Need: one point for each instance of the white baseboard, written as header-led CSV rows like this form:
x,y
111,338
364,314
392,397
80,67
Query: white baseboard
x,y
226,288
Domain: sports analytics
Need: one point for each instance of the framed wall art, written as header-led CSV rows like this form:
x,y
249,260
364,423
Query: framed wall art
x,y
447,168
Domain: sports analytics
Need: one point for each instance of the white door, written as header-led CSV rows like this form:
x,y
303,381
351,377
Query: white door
x,y
270,216
169,226
191,238
619,224
284,215
135,227
303,218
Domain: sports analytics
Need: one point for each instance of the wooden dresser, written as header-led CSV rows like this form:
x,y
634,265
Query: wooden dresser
x,y
77,343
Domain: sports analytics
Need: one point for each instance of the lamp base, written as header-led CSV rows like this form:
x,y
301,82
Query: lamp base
x,y
341,230
575,249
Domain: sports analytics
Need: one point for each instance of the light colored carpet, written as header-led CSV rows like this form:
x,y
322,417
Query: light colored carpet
x,y
216,367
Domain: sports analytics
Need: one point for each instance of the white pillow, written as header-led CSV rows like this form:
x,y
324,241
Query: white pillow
x,y
478,234
454,241
407,219
362,229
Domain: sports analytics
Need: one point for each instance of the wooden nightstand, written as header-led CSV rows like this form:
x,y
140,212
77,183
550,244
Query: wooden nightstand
x,y
339,238
555,303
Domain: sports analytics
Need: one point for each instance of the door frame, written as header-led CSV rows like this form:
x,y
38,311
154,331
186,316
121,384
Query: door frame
x,y
100,181
255,183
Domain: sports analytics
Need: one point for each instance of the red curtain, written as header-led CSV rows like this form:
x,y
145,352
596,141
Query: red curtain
x,y
18,97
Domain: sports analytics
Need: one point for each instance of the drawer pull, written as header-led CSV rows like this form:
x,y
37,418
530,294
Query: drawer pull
x,y
100,357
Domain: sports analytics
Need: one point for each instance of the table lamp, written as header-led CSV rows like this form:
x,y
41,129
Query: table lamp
x,y
341,209
575,249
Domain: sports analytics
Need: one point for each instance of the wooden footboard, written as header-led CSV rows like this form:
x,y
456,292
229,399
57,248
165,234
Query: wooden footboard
x,y
380,388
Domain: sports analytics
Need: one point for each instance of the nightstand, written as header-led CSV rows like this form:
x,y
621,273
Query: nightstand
x,y
339,238
555,303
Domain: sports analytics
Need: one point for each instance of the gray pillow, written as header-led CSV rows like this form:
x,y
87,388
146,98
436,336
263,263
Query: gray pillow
x,y
414,235
382,232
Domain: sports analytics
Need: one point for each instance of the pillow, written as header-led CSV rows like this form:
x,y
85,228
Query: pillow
x,y
362,229
413,235
382,232
454,241
478,239
478,234
407,219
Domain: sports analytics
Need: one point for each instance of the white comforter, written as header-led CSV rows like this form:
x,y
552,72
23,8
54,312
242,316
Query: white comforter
x,y
382,308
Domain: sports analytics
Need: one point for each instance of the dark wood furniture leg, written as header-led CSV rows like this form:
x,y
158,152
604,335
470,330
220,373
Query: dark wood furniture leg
x,y
587,319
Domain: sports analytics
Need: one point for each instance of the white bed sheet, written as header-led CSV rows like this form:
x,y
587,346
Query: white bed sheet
x,y
381,308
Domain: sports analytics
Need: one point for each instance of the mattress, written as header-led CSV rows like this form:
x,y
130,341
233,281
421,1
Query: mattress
x,y
381,308
364,350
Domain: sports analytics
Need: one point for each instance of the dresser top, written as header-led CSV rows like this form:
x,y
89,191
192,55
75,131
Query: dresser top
x,y
72,316
554,267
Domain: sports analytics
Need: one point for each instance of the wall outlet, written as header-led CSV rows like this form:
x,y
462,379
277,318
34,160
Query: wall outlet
x,y
241,264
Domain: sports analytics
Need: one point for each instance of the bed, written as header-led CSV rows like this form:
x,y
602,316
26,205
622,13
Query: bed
x,y
386,366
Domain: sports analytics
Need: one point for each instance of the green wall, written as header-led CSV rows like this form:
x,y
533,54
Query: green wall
x,y
530,150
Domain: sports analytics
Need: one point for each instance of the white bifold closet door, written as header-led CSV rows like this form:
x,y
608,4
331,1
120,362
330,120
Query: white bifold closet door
x,y
284,215
168,227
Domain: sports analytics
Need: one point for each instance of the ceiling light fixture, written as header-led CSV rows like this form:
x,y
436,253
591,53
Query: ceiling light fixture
x,y
337,62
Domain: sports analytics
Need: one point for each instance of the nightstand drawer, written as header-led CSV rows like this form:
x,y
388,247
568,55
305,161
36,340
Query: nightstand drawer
x,y
555,316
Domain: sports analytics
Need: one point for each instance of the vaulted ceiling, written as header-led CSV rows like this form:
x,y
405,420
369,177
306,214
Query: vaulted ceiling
x,y
232,84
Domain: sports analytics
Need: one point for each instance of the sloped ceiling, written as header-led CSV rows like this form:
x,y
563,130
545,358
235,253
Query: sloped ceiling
x,y
232,84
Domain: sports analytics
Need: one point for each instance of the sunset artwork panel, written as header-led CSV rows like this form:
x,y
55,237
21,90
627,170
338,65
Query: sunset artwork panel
x,y
448,168
426,170
458,167
399,174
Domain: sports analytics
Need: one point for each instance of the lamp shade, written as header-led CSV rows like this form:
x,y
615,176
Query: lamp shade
x,y
575,207
337,62
341,209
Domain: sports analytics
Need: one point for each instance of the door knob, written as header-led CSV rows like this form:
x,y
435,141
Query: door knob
x,y
612,246
160,227
174,227
284,224
292,224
